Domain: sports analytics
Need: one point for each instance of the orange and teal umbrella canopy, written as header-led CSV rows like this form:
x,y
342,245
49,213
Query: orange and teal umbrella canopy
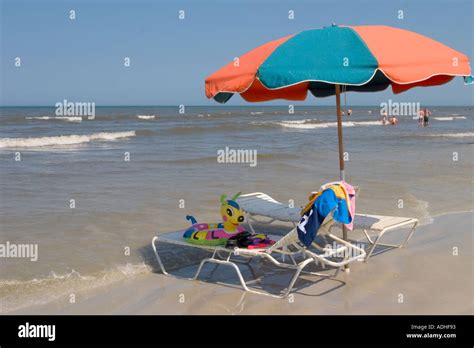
x,y
362,58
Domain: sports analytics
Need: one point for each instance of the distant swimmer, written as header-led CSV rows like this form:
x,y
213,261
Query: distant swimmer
x,y
426,117
393,120
384,119
421,118
349,112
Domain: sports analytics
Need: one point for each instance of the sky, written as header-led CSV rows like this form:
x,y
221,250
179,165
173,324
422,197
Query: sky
x,y
83,59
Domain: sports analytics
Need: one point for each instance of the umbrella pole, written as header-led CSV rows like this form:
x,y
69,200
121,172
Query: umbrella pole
x,y
339,133
342,175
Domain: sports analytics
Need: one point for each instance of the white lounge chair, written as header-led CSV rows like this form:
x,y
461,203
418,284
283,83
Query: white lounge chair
x,y
261,204
288,245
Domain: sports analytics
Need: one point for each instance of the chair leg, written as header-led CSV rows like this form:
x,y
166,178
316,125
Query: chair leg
x,y
296,276
412,231
201,265
243,283
292,259
371,250
376,241
155,240
239,274
368,237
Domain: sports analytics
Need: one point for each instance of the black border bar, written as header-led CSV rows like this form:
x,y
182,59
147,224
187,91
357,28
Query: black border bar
x,y
245,330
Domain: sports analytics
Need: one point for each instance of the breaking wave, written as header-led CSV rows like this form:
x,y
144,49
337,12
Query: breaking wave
x,y
62,139
58,118
449,118
452,135
310,124
146,117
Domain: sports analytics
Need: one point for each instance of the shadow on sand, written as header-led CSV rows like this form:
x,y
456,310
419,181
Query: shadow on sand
x,y
182,262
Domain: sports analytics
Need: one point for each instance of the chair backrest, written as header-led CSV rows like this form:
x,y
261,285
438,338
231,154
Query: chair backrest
x,y
291,238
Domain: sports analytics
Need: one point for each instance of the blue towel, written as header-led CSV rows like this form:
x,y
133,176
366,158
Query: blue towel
x,y
326,203
309,226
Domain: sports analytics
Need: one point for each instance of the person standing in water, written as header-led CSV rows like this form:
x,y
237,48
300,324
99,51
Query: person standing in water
x,y
349,112
421,118
426,117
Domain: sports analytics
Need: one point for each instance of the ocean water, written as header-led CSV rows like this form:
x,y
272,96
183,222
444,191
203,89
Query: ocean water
x,y
121,204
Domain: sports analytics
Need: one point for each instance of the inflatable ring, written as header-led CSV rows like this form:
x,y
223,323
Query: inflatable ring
x,y
209,234
217,233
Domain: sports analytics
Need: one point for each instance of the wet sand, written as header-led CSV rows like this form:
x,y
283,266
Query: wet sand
x,y
426,274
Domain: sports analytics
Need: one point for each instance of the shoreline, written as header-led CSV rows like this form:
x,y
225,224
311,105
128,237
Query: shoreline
x,y
429,278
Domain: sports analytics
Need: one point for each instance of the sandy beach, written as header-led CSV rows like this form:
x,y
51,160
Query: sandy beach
x,y
431,279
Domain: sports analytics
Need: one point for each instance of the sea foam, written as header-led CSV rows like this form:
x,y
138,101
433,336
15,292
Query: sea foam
x,y
146,117
454,135
300,124
449,118
58,118
17,294
62,139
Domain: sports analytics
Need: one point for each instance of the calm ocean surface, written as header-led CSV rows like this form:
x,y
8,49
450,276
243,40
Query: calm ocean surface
x,y
122,204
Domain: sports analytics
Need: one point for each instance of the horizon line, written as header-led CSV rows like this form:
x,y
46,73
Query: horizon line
x,y
219,105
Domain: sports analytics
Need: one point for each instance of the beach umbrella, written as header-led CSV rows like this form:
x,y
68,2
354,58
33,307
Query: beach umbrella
x,y
324,61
